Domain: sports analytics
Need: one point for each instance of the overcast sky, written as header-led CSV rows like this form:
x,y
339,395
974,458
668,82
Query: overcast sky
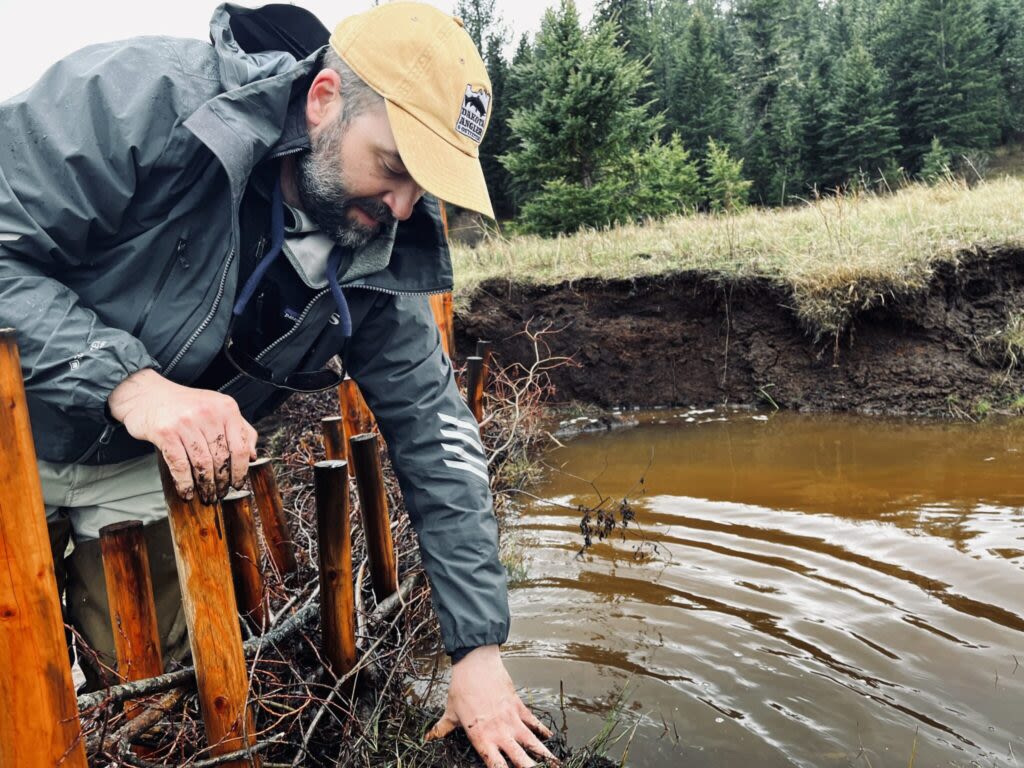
x,y
36,33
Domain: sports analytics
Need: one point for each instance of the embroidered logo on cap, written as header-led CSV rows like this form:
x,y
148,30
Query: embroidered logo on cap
x,y
473,116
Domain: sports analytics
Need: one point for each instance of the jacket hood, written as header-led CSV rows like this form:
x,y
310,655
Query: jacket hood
x,y
256,43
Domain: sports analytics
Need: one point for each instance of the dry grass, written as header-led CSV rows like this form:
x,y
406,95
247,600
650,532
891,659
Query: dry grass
x,y
835,254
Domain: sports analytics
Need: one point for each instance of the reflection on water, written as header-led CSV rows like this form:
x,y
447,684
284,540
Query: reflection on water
x,y
829,591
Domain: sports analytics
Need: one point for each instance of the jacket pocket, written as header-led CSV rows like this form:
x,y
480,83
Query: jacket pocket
x,y
179,256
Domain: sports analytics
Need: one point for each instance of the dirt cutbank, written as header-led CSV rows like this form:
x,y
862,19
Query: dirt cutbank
x,y
690,339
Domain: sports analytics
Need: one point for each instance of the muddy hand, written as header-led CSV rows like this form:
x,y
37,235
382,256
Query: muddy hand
x,y
202,435
483,700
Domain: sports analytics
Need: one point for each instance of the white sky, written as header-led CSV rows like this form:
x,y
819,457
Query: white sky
x,y
36,33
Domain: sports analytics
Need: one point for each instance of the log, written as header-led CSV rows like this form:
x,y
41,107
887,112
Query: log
x,y
333,429
39,726
475,386
245,557
334,537
272,518
208,598
131,604
373,503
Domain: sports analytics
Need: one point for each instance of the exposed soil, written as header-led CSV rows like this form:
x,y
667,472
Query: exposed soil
x,y
689,339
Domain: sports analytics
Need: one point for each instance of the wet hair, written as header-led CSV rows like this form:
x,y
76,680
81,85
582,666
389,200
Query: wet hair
x,y
357,96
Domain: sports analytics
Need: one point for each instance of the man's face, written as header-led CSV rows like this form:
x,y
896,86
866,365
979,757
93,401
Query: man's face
x,y
352,182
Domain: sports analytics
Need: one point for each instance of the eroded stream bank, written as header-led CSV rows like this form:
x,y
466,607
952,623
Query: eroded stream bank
x,y
688,339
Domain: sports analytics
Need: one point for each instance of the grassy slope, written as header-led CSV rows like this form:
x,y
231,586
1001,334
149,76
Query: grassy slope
x,y
835,254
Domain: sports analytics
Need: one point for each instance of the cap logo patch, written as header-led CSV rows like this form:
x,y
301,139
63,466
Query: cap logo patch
x,y
473,115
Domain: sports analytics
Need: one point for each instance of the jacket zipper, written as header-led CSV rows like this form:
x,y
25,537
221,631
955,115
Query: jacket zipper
x,y
179,256
206,320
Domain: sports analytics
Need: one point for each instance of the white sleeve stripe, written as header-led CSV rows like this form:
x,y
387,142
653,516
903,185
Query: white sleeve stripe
x,y
458,422
464,454
462,437
468,468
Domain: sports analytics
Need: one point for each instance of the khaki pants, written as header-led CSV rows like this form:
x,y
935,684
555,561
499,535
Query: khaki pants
x,y
81,499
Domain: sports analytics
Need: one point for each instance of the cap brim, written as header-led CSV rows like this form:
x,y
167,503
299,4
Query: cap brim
x,y
443,170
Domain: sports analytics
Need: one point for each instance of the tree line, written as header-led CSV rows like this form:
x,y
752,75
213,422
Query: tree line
x,y
664,106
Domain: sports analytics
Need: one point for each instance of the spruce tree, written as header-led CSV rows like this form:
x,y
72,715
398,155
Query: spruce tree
x,y
577,109
773,119
860,126
701,102
944,75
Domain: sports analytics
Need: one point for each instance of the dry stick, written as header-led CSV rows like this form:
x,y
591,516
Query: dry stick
x,y
272,517
333,429
475,386
131,604
208,597
337,600
373,504
240,528
186,677
38,721
150,716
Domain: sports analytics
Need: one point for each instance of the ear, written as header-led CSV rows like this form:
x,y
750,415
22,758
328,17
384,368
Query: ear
x,y
323,100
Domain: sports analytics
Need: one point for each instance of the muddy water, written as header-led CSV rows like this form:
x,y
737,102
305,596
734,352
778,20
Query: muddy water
x,y
826,591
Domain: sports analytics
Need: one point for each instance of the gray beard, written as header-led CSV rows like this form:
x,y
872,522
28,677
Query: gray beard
x,y
325,196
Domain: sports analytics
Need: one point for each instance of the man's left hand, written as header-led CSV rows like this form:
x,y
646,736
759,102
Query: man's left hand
x,y
483,700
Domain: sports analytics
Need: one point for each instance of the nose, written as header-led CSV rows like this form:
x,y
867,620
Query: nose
x,y
403,198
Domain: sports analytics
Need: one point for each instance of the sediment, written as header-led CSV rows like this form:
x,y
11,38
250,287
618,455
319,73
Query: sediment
x,y
693,338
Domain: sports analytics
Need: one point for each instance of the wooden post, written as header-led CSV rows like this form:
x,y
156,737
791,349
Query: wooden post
x,y
333,429
356,413
245,556
475,386
208,597
485,349
334,537
373,503
39,726
442,307
131,604
272,518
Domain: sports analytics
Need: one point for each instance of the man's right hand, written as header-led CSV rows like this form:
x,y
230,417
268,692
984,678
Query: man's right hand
x,y
203,438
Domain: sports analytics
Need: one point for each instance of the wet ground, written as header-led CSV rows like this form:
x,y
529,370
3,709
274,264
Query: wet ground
x,y
826,591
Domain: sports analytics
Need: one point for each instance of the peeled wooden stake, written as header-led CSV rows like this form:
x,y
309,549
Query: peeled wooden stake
x,y
356,413
39,726
373,502
334,536
272,518
245,556
208,597
443,308
131,604
333,429
475,386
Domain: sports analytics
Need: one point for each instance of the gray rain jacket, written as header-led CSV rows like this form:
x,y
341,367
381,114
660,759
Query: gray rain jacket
x,y
121,176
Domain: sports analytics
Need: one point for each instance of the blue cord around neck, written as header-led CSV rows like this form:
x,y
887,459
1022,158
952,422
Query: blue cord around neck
x,y
276,246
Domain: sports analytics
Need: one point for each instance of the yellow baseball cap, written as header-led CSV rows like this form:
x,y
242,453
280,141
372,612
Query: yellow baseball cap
x,y
435,88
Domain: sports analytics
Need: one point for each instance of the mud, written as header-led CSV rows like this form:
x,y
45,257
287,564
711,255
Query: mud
x,y
688,339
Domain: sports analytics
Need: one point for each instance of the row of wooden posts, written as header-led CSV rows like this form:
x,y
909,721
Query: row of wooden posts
x,y
218,560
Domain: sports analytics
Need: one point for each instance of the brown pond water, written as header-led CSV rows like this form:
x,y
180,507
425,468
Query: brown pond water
x,y
827,591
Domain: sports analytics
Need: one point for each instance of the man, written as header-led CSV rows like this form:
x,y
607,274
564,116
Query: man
x,y
190,232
